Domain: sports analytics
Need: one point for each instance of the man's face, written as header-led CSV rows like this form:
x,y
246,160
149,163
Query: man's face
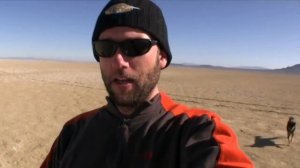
x,y
130,80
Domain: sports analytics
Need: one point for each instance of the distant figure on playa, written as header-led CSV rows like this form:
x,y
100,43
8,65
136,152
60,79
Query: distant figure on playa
x,y
140,126
291,127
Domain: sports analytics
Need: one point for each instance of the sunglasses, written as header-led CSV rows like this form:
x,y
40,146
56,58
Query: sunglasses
x,y
130,48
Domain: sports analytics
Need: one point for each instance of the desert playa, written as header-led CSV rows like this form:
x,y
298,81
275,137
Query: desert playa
x,y
37,97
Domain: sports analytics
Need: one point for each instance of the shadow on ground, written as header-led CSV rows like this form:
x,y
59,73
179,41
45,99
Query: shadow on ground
x,y
261,142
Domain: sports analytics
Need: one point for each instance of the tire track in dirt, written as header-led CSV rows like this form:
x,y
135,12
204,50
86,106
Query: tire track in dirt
x,y
196,100
248,106
22,76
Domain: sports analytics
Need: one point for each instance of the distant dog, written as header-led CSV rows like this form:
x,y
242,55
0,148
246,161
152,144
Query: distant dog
x,y
290,127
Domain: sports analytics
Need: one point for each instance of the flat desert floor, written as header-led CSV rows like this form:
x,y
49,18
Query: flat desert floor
x,y
38,97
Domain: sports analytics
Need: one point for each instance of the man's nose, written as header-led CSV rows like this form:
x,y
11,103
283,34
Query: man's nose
x,y
120,60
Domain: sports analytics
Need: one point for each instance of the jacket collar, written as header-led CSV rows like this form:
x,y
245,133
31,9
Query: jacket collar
x,y
147,111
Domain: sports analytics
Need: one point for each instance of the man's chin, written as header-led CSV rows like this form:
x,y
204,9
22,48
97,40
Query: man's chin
x,y
123,102
123,99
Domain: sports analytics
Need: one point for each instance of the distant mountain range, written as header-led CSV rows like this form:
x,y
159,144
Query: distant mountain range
x,y
295,69
291,69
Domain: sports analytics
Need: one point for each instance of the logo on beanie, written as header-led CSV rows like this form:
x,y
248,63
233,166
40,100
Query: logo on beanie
x,y
120,8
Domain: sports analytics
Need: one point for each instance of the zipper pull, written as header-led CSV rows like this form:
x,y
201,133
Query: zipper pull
x,y
125,130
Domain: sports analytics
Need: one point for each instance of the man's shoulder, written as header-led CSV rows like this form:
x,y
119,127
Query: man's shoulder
x,y
178,109
85,116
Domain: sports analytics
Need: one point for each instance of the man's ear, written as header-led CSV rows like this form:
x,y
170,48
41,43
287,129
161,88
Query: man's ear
x,y
163,59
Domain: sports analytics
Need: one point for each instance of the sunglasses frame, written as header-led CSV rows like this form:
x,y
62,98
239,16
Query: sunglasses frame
x,y
121,45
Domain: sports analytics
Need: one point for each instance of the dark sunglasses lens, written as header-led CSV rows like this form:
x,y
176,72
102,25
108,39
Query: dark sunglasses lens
x,y
135,47
105,48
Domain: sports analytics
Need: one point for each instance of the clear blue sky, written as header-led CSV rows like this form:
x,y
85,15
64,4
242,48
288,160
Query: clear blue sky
x,y
229,33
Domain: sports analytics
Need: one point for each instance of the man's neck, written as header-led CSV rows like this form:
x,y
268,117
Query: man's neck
x,y
127,111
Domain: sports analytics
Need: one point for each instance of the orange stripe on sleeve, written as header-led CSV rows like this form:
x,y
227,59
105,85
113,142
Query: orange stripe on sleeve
x,y
231,156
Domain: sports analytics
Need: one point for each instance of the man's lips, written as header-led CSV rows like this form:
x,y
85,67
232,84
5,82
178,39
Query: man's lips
x,y
123,80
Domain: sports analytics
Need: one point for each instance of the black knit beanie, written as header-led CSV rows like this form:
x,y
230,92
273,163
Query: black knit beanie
x,y
139,14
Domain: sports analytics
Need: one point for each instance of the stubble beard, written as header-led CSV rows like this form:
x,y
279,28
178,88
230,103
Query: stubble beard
x,y
143,84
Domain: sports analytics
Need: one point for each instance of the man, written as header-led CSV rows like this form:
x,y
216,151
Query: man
x,y
140,126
